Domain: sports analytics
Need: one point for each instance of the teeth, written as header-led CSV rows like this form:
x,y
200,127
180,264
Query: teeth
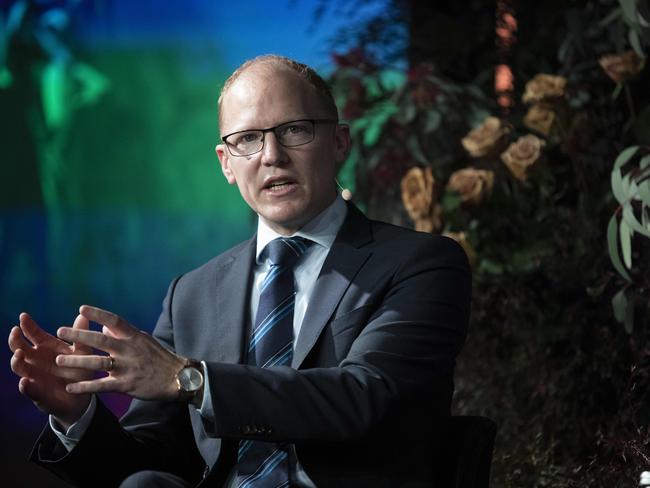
x,y
278,186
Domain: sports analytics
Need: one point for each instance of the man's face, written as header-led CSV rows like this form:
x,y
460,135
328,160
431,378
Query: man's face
x,y
285,186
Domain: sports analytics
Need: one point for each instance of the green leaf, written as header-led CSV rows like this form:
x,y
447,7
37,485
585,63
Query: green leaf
x,y
625,184
619,305
617,186
451,200
625,155
613,15
414,148
644,192
645,162
612,245
629,10
632,222
625,235
376,121
432,121
392,79
635,42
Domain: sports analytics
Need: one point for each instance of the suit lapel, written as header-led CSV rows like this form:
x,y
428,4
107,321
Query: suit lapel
x,y
233,301
343,262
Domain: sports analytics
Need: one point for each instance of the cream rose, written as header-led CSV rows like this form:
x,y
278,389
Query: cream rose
x,y
544,87
540,119
417,192
481,140
622,67
473,185
522,154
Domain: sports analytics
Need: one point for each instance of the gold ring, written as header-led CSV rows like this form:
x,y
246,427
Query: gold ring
x,y
112,364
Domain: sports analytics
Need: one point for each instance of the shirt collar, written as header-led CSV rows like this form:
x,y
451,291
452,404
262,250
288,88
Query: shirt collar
x,y
322,229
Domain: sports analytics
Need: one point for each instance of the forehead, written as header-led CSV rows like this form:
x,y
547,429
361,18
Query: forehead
x,y
265,96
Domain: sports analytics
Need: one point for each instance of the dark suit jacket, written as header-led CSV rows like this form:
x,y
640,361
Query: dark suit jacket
x,y
366,400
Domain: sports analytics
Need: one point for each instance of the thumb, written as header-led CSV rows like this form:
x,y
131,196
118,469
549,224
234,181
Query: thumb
x,y
81,323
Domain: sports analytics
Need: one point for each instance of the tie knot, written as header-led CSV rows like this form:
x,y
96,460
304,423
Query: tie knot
x,y
285,251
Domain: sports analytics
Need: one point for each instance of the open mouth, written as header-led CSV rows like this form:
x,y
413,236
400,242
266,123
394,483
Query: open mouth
x,y
279,185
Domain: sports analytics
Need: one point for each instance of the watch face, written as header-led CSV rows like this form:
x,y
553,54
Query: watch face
x,y
190,379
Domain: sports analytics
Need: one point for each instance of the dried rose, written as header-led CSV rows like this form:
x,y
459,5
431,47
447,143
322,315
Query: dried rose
x,y
540,119
417,192
622,67
522,154
461,238
483,139
432,222
544,87
473,185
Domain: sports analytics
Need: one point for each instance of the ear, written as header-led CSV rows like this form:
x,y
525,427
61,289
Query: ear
x,y
224,160
343,144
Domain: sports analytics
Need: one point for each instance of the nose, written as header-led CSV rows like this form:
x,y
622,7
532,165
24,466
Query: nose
x,y
273,152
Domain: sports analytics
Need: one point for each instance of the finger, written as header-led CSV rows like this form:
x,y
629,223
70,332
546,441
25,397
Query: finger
x,y
94,363
89,338
107,331
36,391
17,340
105,384
116,324
25,364
32,331
81,323
20,366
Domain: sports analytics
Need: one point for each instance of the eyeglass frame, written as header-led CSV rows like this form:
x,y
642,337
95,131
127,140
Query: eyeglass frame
x,y
272,129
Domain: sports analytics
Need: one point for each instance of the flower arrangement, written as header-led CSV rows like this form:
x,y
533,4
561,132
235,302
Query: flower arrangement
x,y
558,346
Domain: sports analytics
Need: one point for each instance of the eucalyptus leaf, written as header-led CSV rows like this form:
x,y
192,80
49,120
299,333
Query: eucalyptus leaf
x,y
630,219
619,305
645,162
625,186
625,155
617,186
629,10
635,42
644,191
612,246
625,235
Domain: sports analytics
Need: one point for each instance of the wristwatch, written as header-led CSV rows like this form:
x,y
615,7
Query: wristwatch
x,y
189,380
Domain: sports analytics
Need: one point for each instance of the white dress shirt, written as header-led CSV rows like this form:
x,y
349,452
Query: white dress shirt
x,y
322,230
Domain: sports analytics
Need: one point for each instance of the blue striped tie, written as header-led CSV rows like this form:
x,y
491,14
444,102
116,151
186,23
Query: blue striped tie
x,y
266,464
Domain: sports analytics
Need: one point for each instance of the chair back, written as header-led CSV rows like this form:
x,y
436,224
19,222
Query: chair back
x,y
466,460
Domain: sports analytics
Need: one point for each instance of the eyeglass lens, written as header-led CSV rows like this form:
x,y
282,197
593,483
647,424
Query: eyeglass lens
x,y
290,134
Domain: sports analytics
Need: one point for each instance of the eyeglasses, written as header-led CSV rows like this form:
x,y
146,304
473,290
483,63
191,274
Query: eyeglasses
x,y
289,134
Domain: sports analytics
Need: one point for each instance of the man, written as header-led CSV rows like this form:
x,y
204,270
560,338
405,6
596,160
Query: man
x,y
373,317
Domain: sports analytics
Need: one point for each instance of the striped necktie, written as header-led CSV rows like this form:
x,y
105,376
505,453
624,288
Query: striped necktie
x,y
266,464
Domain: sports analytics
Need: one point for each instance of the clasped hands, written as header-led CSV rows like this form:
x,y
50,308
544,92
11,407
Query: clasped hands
x,y
59,377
